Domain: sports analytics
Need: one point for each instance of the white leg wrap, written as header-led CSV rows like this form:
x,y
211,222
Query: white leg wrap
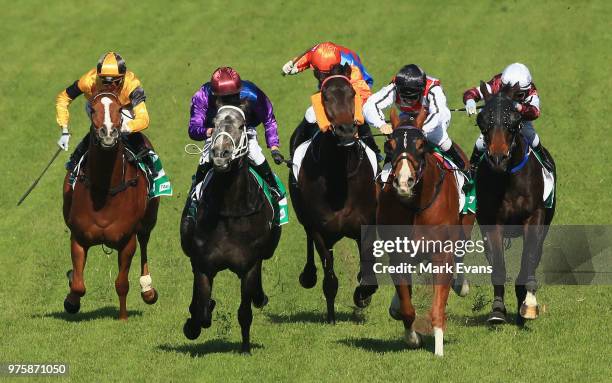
x,y
530,299
146,283
439,341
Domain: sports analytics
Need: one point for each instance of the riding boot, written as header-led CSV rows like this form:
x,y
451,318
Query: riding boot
x,y
79,151
474,159
456,157
266,173
539,150
365,134
137,144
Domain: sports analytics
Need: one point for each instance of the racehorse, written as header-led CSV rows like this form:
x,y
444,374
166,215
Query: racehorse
x,y
334,193
420,193
233,230
109,205
509,190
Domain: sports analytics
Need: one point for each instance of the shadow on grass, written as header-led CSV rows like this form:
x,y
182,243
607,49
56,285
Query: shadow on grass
x,y
391,345
480,320
213,346
107,312
315,317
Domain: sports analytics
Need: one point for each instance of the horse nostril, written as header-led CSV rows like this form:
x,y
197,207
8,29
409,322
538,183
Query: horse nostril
x,y
225,153
410,181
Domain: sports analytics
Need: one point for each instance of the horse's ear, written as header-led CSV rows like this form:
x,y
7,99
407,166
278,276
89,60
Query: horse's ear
x,y
347,70
395,120
420,118
485,92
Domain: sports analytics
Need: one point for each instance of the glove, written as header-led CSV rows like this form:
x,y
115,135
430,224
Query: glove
x,y
386,129
470,107
277,156
289,68
125,127
518,106
64,138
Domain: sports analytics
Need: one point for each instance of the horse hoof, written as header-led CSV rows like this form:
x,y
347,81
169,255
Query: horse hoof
x,y
207,322
496,317
461,289
308,280
413,339
191,330
529,312
150,297
246,350
362,299
70,307
263,302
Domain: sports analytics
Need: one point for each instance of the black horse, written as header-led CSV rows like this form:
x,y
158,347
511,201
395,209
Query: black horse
x,y
334,193
509,190
234,229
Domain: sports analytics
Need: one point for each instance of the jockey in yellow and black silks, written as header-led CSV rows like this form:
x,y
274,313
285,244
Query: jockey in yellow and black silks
x,y
109,75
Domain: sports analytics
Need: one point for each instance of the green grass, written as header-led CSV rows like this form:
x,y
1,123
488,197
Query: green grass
x,y
173,48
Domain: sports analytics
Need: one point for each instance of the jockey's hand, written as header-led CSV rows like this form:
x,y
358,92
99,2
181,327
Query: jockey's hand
x,y
386,129
518,106
209,132
470,107
125,127
277,156
289,68
64,139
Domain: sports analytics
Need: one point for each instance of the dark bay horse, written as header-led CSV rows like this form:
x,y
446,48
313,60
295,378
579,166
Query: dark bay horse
x,y
509,190
334,193
233,229
108,206
422,196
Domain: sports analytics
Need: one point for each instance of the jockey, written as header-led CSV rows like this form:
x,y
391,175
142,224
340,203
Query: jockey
x,y
526,102
322,58
410,90
226,88
109,75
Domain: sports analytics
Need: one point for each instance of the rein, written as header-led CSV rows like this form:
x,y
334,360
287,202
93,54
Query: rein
x,y
124,185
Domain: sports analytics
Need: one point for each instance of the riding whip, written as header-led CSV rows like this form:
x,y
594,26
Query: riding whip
x,y
39,177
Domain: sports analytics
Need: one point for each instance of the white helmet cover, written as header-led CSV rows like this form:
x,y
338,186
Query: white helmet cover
x,y
516,73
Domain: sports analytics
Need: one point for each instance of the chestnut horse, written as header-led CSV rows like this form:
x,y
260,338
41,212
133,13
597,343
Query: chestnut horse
x,y
509,191
334,193
108,206
419,191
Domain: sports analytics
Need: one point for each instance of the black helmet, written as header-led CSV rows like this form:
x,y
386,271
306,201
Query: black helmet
x,y
409,83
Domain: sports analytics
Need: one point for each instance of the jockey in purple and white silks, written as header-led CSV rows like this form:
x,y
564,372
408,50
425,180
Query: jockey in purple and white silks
x,y
226,88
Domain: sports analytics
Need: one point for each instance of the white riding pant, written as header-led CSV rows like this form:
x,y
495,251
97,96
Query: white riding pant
x,y
255,154
527,131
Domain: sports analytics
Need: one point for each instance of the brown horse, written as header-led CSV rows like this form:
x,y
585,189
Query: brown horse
x,y
108,206
420,192
334,193
509,190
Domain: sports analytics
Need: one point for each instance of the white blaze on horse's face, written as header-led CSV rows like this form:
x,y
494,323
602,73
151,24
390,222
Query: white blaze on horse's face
x,y
404,180
107,133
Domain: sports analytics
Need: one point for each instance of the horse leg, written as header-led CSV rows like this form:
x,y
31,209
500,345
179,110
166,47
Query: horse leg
x,y
147,292
367,279
201,306
330,281
72,303
260,299
401,308
122,283
494,252
250,286
308,277
442,283
526,285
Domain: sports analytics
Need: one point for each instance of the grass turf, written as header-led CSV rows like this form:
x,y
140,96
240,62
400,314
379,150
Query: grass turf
x,y
173,48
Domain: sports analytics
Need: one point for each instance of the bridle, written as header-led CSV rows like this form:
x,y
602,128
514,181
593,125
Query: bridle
x,y
93,129
242,148
332,126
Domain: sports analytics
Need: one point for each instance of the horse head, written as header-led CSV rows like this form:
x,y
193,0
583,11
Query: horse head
x,y
106,119
500,125
338,98
408,147
229,140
